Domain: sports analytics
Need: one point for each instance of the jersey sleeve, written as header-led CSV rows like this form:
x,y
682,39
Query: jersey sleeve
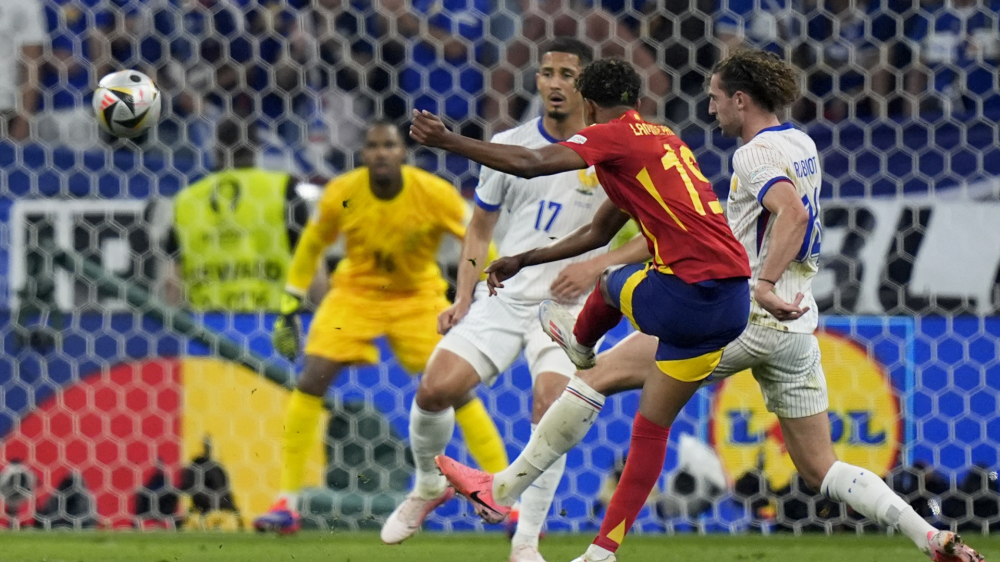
x,y
491,190
758,167
598,144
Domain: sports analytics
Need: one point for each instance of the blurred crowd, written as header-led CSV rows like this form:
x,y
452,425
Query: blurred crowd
x,y
309,74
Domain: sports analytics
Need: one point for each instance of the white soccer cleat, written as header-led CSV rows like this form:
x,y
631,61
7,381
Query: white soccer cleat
x,y
592,555
558,323
406,519
525,553
948,547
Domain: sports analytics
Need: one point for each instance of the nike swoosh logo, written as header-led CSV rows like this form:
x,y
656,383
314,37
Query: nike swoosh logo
x,y
475,497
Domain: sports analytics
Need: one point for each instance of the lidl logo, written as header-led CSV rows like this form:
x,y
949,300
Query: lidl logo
x,y
864,417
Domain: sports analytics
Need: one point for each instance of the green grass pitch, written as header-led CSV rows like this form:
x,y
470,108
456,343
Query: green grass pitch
x,y
342,546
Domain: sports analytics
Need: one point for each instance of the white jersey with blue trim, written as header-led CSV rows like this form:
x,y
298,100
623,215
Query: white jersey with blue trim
x,y
536,212
780,153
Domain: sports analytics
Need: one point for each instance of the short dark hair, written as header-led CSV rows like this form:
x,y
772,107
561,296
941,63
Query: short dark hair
x,y
771,82
610,83
569,46
384,122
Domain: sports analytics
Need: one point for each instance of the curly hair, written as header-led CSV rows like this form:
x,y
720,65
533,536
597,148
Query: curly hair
x,y
610,83
771,82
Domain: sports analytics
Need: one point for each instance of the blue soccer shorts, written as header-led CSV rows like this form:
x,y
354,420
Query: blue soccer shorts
x,y
693,321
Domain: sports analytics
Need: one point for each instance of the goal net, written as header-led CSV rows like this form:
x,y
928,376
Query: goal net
x,y
120,408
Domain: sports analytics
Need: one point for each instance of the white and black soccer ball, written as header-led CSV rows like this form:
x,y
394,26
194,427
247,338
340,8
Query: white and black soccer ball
x,y
126,103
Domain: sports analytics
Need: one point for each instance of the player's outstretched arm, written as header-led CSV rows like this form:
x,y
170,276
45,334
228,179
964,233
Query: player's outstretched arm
x,y
790,224
602,228
427,129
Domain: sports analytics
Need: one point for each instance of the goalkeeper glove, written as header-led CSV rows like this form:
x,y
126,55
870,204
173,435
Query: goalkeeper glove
x,y
288,328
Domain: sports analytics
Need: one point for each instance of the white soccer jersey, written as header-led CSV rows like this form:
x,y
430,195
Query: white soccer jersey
x,y
536,212
778,153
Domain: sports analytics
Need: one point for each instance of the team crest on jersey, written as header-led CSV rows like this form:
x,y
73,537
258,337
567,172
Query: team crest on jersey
x,y
588,181
864,417
578,139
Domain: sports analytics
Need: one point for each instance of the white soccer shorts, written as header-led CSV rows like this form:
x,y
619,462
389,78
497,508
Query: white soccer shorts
x,y
496,330
786,365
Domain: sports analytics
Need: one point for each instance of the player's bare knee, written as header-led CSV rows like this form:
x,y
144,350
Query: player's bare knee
x,y
440,390
548,387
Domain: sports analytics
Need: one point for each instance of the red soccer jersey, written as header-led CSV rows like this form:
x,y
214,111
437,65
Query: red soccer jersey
x,y
648,172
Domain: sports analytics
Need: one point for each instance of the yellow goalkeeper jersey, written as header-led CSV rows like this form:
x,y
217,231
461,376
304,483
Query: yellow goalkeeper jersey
x,y
391,244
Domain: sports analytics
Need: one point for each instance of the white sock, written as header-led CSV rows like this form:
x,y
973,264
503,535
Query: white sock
x,y
429,435
535,504
565,424
869,495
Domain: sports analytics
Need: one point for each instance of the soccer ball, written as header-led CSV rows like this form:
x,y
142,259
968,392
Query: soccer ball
x,y
127,103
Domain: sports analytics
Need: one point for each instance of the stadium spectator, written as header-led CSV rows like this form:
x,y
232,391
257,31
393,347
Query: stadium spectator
x,y
609,34
840,54
234,230
341,73
288,104
22,36
956,54
679,27
69,74
197,52
773,25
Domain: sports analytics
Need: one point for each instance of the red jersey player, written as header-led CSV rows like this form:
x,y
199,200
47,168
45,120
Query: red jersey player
x,y
693,297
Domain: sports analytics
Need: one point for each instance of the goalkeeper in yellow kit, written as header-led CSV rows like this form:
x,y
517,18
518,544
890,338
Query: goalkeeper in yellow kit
x,y
393,217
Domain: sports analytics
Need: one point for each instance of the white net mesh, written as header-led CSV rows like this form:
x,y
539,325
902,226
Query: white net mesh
x,y
106,398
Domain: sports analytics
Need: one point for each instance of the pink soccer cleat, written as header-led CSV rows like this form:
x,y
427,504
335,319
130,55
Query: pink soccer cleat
x,y
475,485
948,547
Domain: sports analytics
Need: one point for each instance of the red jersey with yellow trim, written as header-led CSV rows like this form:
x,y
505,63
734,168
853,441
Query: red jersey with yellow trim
x,y
649,173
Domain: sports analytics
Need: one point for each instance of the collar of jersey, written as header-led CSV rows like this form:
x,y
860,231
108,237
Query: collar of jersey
x,y
782,127
545,134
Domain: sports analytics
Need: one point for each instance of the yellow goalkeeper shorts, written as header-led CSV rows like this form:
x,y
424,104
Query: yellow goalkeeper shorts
x,y
348,321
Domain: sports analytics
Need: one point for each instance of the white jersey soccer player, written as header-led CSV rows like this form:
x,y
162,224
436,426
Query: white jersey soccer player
x,y
791,377
774,212
775,154
533,213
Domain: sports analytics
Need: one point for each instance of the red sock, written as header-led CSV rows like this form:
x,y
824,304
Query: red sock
x,y
595,319
642,469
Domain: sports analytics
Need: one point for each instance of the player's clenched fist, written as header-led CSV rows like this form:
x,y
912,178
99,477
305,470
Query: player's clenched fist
x,y
427,128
